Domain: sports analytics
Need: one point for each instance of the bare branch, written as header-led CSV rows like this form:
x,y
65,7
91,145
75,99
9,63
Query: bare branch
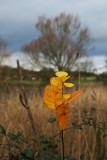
x,y
24,102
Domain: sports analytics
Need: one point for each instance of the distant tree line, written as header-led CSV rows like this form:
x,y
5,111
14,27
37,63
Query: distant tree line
x,y
8,73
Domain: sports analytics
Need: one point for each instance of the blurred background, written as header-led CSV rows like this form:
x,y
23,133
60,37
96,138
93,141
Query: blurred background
x,y
21,27
49,36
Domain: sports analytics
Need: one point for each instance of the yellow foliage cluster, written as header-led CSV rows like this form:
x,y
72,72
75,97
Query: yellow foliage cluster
x,y
54,98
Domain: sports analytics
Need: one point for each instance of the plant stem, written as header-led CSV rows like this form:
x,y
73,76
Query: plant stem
x,y
62,138
24,102
79,76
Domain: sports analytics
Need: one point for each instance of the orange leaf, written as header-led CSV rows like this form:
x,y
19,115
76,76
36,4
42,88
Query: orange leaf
x,y
61,110
73,96
62,116
63,121
52,97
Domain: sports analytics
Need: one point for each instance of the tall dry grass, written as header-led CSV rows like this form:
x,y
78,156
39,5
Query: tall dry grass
x,y
85,143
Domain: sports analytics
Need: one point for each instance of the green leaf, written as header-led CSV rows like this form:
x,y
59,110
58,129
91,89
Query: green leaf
x,y
17,141
32,139
12,136
29,145
94,122
85,112
86,122
54,151
51,120
19,134
68,157
73,158
33,153
83,120
17,158
52,144
99,132
104,125
23,139
43,139
14,145
11,156
104,135
79,126
2,130
90,119
25,153
45,147
46,155
57,156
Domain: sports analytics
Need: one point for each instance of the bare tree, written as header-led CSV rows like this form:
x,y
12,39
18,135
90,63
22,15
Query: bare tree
x,y
3,51
106,62
59,41
87,65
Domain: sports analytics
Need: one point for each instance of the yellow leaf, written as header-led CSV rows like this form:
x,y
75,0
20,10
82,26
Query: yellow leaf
x,y
66,95
73,96
60,74
63,78
52,97
56,81
68,84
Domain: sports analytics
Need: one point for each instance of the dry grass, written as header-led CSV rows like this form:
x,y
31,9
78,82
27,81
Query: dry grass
x,y
84,143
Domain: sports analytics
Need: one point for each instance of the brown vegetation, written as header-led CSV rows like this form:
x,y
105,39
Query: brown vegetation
x,y
87,143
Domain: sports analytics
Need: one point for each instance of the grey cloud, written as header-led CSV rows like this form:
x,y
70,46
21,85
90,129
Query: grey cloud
x,y
18,18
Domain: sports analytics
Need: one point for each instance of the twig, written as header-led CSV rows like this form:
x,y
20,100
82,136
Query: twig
x,y
68,128
79,70
24,102
75,127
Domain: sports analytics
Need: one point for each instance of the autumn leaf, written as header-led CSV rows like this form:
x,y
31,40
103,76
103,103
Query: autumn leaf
x,y
61,110
52,97
63,79
68,84
61,74
56,81
62,116
66,95
73,96
63,121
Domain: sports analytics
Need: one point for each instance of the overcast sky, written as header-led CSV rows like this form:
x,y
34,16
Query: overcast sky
x,y
18,19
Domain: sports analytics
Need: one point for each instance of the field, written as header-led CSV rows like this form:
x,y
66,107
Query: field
x,y
84,144
89,80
